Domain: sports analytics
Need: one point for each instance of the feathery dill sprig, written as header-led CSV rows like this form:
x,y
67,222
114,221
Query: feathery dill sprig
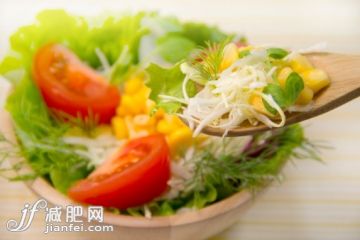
x,y
87,124
258,164
207,60
217,177
40,138
12,171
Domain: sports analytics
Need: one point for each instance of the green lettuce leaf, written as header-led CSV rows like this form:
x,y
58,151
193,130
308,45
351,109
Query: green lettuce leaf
x,y
174,48
176,40
40,138
167,81
201,33
57,26
202,198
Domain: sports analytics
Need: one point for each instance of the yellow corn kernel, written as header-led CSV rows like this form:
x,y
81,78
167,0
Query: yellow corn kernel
x,y
160,113
141,133
165,127
231,54
305,96
127,105
200,139
139,104
177,121
134,131
120,127
142,93
256,101
121,111
130,125
132,105
283,75
133,85
179,139
149,107
315,79
144,122
300,63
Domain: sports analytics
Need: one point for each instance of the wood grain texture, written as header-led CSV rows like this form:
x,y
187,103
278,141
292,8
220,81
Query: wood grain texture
x,y
344,73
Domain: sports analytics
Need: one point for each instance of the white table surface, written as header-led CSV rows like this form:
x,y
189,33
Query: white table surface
x,y
316,200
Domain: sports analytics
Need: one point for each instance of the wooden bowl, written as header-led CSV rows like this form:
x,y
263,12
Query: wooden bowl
x,y
199,224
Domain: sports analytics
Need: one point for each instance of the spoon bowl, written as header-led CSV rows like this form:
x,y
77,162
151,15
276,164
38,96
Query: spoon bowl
x,y
344,73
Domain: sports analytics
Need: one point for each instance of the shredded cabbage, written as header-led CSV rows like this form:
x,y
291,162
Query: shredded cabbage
x,y
224,102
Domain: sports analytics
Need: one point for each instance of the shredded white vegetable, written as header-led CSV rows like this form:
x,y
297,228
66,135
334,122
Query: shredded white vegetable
x,y
97,149
147,212
224,102
301,108
314,48
103,60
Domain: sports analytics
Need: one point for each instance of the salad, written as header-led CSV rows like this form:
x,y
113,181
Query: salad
x,y
227,84
93,103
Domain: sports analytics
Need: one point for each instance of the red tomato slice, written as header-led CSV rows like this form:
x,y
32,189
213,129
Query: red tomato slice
x,y
134,176
70,86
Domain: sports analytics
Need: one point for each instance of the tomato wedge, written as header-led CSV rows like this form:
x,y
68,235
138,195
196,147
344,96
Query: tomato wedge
x,y
134,176
70,86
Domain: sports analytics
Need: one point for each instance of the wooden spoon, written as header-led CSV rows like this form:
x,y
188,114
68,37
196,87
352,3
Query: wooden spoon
x,y
344,73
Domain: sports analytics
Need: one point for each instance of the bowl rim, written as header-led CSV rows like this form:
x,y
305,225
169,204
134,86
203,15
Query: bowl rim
x,y
43,189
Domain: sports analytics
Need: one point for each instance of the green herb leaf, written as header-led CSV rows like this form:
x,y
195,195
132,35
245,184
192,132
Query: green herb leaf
x,y
278,95
208,60
284,97
293,86
277,53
